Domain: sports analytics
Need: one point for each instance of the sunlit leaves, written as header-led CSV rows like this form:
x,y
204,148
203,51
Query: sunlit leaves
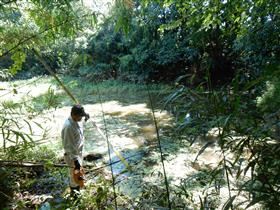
x,y
18,57
40,23
122,12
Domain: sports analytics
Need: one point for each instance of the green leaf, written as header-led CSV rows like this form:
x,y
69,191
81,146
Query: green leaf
x,y
203,149
229,202
48,164
256,200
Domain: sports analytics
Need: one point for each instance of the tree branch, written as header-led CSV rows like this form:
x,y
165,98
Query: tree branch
x,y
24,40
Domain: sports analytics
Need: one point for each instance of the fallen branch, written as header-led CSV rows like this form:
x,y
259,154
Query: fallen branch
x,y
4,163
28,164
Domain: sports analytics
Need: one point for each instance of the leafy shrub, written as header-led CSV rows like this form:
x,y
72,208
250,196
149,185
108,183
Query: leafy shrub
x,y
5,75
269,102
100,72
46,101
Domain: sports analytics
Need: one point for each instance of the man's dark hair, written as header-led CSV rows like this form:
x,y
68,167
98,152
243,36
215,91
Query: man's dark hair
x,y
78,110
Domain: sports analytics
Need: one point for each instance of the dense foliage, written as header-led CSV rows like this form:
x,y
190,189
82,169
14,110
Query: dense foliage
x,y
38,25
222,57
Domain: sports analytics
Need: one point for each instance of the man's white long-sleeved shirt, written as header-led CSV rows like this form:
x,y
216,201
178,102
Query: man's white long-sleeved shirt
x,y
72,139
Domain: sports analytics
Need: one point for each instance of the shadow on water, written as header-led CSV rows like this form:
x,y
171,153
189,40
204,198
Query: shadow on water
x,y
131,131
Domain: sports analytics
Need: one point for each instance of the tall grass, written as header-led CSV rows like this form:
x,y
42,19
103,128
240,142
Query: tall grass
x,y
124,92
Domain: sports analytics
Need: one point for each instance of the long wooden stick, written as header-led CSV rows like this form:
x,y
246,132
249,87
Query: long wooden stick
x,y
57,165
48,68
29,164
118,154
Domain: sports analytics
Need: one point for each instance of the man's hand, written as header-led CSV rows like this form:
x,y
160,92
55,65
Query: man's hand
x,y
87,117
77,165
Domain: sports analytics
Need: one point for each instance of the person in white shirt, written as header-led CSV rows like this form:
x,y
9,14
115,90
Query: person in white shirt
x,y
73,142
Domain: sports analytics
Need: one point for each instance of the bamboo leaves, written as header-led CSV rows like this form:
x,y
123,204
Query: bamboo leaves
x,y
229,203
242,135
40,24
17,133
202,149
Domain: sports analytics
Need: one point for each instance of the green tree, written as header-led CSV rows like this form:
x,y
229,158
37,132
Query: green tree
x,y
36,25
